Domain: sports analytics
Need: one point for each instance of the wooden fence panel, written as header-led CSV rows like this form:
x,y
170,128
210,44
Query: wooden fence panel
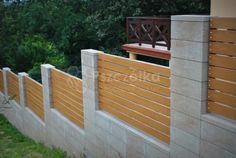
x,y
67,96
222,67
137,93
1,81
34,97
13,86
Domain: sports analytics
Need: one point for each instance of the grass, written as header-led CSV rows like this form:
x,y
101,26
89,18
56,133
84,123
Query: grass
x,y
15,145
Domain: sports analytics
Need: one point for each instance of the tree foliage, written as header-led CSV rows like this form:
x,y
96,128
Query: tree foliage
x,y
54,31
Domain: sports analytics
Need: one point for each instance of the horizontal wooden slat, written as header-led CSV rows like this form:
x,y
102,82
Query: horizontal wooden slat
x,y
68,79
222,48
72,111
223,98
140,109
67,114
117,70
222,73
68,90
222,61
122,96
34,96
138,65
137,82
222,110
138,91
223,23
65,95
75,107
142,118
225,87
223,35
137,124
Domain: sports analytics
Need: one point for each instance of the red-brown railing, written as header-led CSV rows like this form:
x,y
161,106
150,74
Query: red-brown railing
x,y
149,30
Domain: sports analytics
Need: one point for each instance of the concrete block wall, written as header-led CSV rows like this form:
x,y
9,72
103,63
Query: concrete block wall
x,y
194,132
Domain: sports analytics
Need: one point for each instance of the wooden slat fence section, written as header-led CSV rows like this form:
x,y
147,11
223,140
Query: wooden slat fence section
x,y
137,93
222,67
13,86
34,97
1,81
67,96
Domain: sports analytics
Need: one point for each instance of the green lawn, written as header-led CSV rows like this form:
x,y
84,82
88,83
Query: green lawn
x,y
15,145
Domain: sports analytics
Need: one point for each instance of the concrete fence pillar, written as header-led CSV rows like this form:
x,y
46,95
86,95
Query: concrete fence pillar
x,y
189,65
5,80
22,94
46,82
89,59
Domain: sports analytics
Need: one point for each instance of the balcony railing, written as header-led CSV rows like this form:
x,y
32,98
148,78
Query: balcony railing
x,y
149,30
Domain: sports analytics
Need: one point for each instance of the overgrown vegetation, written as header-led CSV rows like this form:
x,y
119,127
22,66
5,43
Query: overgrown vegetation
x,y
54,31
14,145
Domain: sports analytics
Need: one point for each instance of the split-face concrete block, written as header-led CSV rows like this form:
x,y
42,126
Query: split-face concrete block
x,y
189,69
209,150
186,140
118,145
178,151
102,122
188,50
183,28
219,136
186,123
152,152
188,106
89,57
135,143
186,87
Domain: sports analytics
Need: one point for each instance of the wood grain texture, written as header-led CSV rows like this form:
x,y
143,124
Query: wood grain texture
x,y
222,73
219,48
223,36
34,97
67,96
222,61
13,86
222,67
138,65
223,23
136,92
222,110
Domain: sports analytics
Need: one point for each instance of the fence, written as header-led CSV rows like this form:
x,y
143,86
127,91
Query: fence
x,y
137,93
34,96
222,67
67,96
13,86
1,81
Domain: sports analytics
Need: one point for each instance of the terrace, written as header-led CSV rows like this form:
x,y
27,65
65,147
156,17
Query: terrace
x,y
148,36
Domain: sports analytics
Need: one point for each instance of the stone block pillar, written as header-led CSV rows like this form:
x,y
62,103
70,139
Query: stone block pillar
x,y
90,97
22,76
5,80
189,66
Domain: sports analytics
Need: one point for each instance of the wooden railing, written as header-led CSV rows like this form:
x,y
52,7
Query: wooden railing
x,y
1,81
137,93
67,96
34,97
148,30
222,67
13,86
